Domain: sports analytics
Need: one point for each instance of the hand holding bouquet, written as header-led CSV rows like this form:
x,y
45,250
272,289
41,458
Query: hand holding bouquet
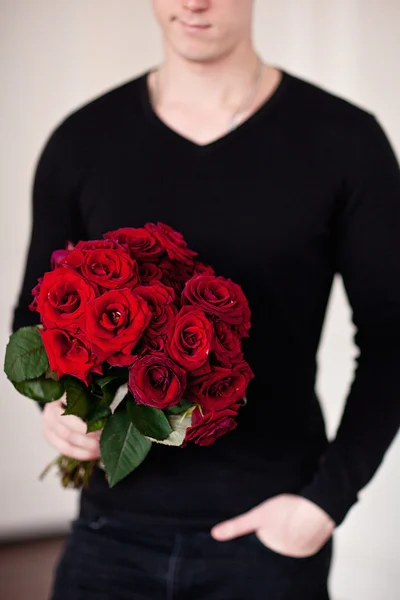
x,y
142,339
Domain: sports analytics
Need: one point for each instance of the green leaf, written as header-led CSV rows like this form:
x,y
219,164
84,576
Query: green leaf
x,y
102,382
123,448
180,408
108,386
42,390
150,421
79,400
95,425
99,409
82,403
114,373
25,357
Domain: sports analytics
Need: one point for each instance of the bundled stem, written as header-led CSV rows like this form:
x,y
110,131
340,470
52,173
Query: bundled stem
x,y
73,473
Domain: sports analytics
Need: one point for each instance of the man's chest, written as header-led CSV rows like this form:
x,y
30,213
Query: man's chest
x,y
251,207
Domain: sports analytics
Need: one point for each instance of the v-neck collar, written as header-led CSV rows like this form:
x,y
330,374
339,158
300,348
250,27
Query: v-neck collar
x,y
247,124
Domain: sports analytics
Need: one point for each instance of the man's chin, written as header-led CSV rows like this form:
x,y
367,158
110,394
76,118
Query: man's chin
x,y
200,56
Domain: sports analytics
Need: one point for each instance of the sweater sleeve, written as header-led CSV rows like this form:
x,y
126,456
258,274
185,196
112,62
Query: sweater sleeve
x,y
55,220
368,259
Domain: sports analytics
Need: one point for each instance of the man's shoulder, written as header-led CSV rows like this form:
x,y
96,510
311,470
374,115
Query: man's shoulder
x,y
333,124
101,114
321,106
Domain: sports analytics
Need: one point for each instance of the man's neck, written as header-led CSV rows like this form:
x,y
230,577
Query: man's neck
x,y
199,101
213,84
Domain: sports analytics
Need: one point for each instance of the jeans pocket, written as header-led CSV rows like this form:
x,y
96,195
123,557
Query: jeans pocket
x,y
325,550
283,577
92,518
98,522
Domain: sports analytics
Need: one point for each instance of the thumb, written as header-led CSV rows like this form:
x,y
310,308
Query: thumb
x,y
245,523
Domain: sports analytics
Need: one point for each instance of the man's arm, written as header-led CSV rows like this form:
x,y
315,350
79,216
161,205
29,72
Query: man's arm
x,y
368,258
55,218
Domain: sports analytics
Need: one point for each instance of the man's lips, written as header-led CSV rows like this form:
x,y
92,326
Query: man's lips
x,y
193,27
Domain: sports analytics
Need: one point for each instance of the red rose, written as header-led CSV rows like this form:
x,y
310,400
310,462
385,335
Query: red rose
x,y
154,343
172,241
73,259
191,338
227,346
155,380
175,275
203,370
219,297
139,242
206,429
35,293
149,273
69,354
75,255
57,257
115,323
202,269
62,299
221,387
110,269
159,298
87,245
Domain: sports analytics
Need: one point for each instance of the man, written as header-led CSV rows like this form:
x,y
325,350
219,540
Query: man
x,y
279,185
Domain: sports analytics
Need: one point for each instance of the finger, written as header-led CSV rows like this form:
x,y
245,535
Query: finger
x,y
74,423
233,528
55,420
54,414
75,438
94,434
71,451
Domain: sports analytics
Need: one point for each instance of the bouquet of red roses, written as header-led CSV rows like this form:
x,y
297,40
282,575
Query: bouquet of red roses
x,y
141,339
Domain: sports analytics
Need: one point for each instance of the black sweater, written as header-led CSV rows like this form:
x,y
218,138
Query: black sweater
x,y
307,187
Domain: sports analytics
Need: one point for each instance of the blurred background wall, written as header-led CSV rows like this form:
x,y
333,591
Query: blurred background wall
x,y
54,56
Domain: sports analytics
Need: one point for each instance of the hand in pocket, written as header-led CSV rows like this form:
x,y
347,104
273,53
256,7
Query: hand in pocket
x,y
287,524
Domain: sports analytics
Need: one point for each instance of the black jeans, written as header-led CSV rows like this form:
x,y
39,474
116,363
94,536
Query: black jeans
x,y
106,558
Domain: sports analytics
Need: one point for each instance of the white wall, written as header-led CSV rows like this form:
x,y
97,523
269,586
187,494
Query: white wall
x,y
56,55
